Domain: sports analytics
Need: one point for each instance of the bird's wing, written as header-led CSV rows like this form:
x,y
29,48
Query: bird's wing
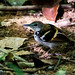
x,y
48,33
60,38
53,34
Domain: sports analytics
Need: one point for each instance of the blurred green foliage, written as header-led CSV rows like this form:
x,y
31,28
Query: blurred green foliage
x,y
17,70
16,2
31,11
61,71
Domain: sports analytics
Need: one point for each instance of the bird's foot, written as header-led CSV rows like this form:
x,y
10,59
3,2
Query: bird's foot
x,y
43,54
56,54
46,55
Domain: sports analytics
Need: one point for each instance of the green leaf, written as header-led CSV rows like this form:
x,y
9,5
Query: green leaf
x,y
31,11
1,58
17,70
62,71
16,2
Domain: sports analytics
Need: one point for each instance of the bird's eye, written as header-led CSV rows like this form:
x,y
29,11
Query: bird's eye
x,y
35,24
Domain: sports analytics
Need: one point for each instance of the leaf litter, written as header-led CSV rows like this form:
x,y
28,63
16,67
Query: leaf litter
x,y
23,51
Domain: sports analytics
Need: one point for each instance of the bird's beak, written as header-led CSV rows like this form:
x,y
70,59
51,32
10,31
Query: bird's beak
x,y
26,25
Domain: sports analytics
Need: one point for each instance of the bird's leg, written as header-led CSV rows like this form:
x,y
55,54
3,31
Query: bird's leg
x,y
57,54
46,55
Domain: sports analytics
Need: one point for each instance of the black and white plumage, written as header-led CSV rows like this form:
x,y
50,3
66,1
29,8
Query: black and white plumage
x,y
49,35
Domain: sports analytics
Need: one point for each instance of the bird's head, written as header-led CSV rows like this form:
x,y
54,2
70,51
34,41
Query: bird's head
x,y
36,25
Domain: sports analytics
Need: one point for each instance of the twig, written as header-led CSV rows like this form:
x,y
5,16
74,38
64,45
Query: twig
x,y
66,6
63,59
3,8
57,63
24,48
6,69
32,7
27,70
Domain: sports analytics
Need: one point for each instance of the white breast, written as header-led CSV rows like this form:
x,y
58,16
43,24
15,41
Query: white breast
x,y
37,38
48,44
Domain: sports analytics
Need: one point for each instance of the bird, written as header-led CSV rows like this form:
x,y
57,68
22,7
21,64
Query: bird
x,y
49,8
49,35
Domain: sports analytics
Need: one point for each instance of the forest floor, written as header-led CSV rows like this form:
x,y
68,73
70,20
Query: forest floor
x,y
11,26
